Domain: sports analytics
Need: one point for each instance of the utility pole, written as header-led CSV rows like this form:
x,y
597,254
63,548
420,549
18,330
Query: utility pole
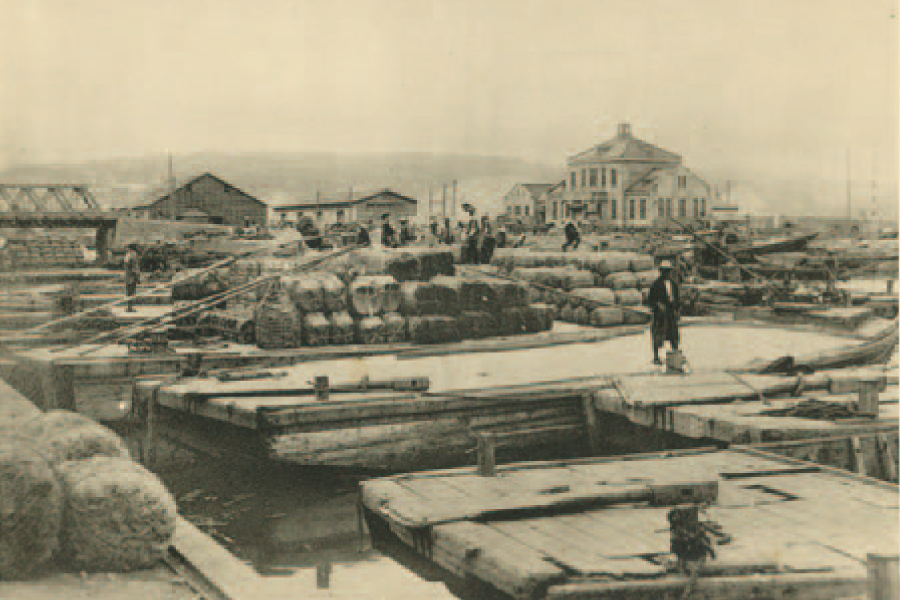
x,y
171,183
453,211
444,203
430,199
849,193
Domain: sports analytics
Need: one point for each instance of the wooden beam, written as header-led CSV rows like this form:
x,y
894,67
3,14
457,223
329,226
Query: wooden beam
x,y
886,456
859,458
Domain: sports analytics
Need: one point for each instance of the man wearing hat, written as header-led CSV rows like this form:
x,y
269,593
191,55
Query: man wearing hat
x,y
387,232
132,274
663,300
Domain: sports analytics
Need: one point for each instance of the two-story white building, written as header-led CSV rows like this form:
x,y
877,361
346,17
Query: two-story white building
x,y
629,182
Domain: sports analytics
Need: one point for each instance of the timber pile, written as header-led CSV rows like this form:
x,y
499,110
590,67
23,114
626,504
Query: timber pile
x,y
602,528
41,250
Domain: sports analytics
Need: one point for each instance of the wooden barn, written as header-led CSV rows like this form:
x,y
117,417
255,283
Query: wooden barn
x,y
209,198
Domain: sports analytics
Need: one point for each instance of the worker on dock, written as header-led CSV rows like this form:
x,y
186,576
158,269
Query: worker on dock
x,y
664,301
362,236
132,274
387,232
573,237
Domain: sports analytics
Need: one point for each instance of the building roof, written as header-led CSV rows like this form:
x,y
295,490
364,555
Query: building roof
x,y
342,201
198,178
625,147
644,184
536,189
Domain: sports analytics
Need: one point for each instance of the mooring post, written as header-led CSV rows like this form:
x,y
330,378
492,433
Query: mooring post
x,y
320,385
487,454
323,575
590,421
150,430
884,576
867,404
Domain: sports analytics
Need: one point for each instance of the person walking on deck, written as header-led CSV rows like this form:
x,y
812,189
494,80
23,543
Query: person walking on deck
x,y
387,232
132,274
664,301
573,238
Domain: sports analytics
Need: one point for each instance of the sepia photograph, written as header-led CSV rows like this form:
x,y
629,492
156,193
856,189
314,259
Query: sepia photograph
x,y
449,299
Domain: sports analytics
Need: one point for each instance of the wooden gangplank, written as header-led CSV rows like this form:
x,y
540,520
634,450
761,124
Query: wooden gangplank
x,y
549,529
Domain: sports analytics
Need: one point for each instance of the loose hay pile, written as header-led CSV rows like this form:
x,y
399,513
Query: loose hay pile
x,y
118,515
30,511
61,435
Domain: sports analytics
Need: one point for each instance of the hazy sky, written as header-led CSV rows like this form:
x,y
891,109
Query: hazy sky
x,y
770,84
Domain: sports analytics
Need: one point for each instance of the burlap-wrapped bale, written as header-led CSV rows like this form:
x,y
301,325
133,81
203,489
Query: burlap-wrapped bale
x,y
567,314
118,516
474,325
61,435
31,507
622,280
607,317
278,322
504,258
565,278
400,265
334,293
426,298
512,321
394,328
604,263
371,330
471,294
597,294
629,297
640,262
431,261
509,293
582,316
432,329
316,330
342,329
539,317
646,278
374,295
633,317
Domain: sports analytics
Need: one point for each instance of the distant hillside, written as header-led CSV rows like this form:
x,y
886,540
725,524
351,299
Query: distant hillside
x,y
280,178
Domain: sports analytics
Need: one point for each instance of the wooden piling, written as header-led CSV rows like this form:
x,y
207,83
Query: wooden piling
x,y
868,397
487,455
590,421
884,576
886,456
320,385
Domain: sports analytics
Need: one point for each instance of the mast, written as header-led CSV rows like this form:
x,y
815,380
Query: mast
x,y
849,196
171,185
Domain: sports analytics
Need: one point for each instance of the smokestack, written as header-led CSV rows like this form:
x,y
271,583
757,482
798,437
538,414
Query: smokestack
x,y
624,130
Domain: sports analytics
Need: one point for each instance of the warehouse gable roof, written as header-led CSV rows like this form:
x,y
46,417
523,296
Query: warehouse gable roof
x,y
191,182
343,201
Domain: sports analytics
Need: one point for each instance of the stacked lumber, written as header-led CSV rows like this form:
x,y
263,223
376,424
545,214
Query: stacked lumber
x,y
41,250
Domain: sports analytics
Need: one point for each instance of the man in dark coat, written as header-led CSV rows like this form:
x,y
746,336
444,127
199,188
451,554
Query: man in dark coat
x,y
362,237
573,238
387,232
132,274
663,299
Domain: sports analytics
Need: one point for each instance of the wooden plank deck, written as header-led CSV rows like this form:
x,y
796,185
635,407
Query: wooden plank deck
x,y
518,532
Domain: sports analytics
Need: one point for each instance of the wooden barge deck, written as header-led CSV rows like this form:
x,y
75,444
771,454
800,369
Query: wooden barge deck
x,y
597,528
385,413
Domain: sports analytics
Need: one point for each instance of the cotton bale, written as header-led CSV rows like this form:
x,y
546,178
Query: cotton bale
x,y
316,330
305,291
641,262
567,314
471,294
629,297
373,295
512,321
578,278
432,329
473,325
633,317
394,328
510,293
371,330
334,293
621,280
646,278
342,329
540,316
62,435
582,316
601,295
118,516
427,298
607,316
31,507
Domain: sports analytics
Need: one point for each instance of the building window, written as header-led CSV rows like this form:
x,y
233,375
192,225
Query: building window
x,y
526,210
603,177
682,207
682,182
340,215
702,207
509,209
612,208
661,205
643,208
612,178
593,177
631,209
554,211
518,210
668,207
696,206
573,180
583,177
318,214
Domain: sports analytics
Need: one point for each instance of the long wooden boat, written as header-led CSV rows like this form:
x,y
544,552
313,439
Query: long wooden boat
x,y
788,243
602,528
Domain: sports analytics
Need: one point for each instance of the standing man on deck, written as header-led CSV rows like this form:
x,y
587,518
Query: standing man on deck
x,y
573,237
132,274
387,232
665,303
